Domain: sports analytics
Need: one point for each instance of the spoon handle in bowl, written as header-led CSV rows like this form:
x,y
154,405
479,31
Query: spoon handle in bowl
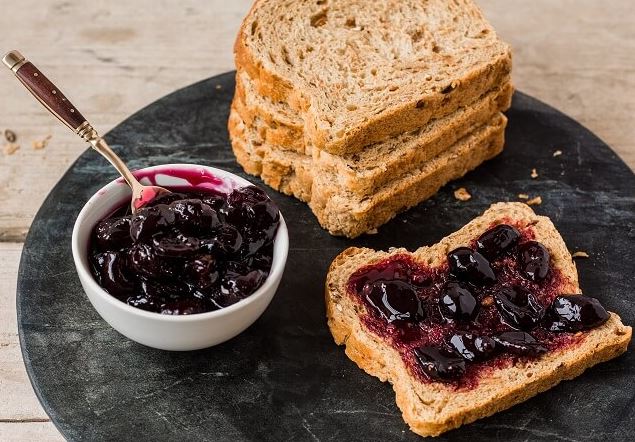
x,y
44,90
50,96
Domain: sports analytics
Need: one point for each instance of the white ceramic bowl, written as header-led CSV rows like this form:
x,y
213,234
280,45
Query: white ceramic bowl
x,y
166,332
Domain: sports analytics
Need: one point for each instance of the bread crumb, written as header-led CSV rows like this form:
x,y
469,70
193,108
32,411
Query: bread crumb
x,y
523,196
535,201
557,153
487,301
462,194
219,86
41,144
534,174
11,148
372,232
10,136
580,254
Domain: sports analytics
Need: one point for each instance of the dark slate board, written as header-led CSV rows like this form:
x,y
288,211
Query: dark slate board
x,y
284,378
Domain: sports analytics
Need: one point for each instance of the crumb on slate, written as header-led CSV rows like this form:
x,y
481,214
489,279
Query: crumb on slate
x,y
372,232
523,196
534,174
557,153
462,194
11,148
580,254
535,201
41,144
219,87
10,136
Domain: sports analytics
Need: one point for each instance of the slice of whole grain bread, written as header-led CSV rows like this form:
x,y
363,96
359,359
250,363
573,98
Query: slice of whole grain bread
x,y
342,212
276,123
359,72
286,171
433,408
279,125
366,171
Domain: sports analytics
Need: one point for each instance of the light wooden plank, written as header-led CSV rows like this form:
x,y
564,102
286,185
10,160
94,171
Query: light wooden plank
x,y
29,432
19,401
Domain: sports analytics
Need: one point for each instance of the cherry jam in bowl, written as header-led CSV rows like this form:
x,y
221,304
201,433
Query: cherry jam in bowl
x,y
190,270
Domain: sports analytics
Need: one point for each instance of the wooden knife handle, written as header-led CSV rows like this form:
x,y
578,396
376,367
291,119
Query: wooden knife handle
x,y
44,90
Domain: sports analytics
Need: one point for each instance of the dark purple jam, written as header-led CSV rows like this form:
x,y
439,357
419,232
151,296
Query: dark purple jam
x,y
187,252
489,305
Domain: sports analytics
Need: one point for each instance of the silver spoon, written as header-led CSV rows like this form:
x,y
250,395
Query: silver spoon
x,y
57,104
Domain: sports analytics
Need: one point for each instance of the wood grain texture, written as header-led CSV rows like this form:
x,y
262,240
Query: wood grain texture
x,y
21,416
114,57
29,432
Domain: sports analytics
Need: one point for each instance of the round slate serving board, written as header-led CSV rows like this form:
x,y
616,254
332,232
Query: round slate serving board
x,y
284,378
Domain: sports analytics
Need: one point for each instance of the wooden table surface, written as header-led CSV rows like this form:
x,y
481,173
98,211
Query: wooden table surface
x,y
113,57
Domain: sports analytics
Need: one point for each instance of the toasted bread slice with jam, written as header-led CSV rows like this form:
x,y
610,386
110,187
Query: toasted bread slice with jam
x,y
432,406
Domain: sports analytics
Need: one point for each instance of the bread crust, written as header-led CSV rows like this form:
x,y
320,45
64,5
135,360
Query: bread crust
x,y
272,126
433,408
401,117
345,214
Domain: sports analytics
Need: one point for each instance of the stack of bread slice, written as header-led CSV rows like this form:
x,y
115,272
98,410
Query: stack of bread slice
x,y
364,109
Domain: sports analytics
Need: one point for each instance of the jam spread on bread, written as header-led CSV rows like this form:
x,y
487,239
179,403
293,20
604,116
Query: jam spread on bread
x,y
187,252
488,305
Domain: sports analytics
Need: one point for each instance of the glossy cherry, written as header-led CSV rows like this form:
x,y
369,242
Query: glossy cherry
x,y
202,271
194,216
394,301
175,246
518,307
113,234
226,241
472,347
439,364
458,303
111,271
149,220
533,259
185,306
497,240
470,266
573,313
520,343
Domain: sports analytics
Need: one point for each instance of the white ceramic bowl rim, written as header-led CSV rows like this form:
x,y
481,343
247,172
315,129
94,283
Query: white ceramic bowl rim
x,y
277,265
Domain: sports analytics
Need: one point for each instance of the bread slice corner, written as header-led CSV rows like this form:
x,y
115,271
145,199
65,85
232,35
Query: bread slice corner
x,y
433,408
